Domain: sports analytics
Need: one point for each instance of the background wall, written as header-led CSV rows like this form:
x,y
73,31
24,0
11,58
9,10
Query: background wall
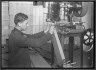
x,y
5,21
36,14
88,18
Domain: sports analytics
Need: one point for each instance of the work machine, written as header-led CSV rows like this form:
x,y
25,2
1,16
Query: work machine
x,y
61,14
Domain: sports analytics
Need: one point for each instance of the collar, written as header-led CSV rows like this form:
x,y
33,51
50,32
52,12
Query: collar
x,y
15,29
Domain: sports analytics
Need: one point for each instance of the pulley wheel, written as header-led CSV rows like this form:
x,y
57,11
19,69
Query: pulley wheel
x,y
82,12
88,37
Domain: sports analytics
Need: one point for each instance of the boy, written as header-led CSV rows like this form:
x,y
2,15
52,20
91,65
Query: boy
x,y
18,41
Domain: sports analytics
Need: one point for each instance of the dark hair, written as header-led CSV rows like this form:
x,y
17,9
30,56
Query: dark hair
x,y
20,17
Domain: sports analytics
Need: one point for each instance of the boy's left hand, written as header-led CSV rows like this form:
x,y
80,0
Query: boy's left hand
x,y
52,28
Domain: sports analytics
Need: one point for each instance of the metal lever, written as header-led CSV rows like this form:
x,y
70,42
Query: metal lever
x,y
68,64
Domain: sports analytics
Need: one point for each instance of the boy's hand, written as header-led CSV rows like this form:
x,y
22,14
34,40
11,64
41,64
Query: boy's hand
x,y
47,30
51,30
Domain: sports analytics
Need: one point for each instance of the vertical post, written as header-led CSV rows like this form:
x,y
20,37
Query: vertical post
x,y
91,55
52,55
71,41
81,45
62,41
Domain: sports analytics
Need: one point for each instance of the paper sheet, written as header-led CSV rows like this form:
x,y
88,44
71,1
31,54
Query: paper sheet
x,y
58,48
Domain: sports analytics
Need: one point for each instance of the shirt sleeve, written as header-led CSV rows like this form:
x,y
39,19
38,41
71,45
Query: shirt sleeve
x,y
25,41
37,35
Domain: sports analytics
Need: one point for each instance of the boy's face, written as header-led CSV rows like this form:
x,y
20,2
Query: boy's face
x,y
24,25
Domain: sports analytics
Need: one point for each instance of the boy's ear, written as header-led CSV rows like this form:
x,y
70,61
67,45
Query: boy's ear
x,y
19,24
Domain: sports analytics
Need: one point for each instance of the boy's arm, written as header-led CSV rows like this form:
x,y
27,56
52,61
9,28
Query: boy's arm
x,y
37,35
34,42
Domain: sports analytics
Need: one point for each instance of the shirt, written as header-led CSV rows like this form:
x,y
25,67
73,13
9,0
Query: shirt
x,y
18,41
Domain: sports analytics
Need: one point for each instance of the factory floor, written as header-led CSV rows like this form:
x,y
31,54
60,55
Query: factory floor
x,y
76,57
87,62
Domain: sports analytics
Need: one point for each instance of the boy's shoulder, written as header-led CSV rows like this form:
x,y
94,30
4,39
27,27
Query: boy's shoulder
x,y
15,33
